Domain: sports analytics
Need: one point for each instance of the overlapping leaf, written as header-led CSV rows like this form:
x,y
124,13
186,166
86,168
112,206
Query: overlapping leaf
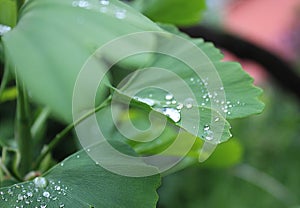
x,y
79,182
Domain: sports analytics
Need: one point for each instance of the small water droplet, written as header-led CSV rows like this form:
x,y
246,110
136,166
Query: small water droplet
x,y
4,29
40,182
104,2
20,197
46,194
179,106
188,103
62,164
120,13
169,97
207,134
206,128
78,156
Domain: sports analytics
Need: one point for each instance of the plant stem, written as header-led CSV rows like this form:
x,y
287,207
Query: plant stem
x,y
39,124
61,135
5,79
22,130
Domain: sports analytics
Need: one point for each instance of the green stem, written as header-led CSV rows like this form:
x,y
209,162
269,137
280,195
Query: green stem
x,y
39,124
5,79
61,135
22,130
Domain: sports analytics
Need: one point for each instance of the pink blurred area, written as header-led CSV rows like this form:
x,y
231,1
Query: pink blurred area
x,y
272,24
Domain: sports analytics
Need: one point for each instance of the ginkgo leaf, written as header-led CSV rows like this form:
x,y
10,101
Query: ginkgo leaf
x,y
79,182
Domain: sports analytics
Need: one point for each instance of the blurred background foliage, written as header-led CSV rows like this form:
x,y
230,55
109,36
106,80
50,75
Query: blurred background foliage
x,y
268,173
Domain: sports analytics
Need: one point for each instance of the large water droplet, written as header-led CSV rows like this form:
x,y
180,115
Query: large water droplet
x,y
40,182
172,113
4,29
147,101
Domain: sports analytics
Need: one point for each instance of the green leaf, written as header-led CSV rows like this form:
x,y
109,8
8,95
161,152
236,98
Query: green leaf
x,y
178,12
54,38
8,12
198,99
78,182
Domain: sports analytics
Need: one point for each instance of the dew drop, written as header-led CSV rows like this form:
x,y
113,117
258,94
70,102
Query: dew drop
x,y
78,156
169,97
208,134
46,194
172,113
120,13
147,101
206,128
179,106
40,182
4,29
104,2
188,103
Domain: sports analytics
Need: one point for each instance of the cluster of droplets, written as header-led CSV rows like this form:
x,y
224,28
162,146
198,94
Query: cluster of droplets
x,y
103,6
4,29
208,97
169,107
36,194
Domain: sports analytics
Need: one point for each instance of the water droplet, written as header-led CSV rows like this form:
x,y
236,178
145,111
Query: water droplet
x,y
4,29
179,106
62,164
104,2
188,103
172,113
46,194
192,79
206,128
20,197
82,4
147,101
221,88
40,182
57,188
217,119
169,97
78,156
120,13
208,134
